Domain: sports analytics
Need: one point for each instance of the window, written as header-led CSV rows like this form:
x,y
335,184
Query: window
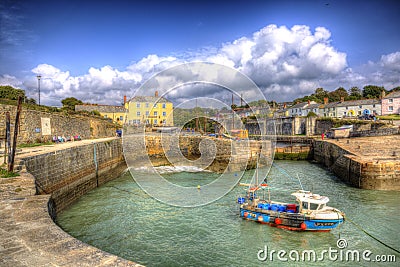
x,y
373,105
164,122
147,113
138,105
359,112
347,108
390,100
360,106
313,206
164,113
147,105
155,113
155,121
105,116
305,205
164,105
121,118
138,113
390,108
344,113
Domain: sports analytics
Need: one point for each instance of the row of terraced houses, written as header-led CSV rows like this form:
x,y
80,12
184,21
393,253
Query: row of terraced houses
x,y
386,105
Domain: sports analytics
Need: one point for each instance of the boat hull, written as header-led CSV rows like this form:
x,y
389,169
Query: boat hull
x,y
290,221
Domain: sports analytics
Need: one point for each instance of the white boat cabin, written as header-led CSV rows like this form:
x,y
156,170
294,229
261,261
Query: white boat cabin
x,y
309,201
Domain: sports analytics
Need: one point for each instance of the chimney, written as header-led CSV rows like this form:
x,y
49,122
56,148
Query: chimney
x,y
383,94
308,101
341,99
124,99
284,105
326,100
156,94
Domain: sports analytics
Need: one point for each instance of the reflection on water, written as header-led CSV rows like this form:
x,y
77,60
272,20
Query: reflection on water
x,y
120,218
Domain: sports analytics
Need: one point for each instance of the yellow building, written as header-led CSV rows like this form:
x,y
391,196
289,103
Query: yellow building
x,y
151,110
115,113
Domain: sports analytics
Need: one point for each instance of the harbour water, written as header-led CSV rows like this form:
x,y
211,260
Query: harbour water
x,y
121,219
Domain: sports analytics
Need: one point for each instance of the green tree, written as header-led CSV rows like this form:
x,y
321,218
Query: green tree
x,y
395,89
70,102
336,95
30,101
9,92
373,91
320,93
355,93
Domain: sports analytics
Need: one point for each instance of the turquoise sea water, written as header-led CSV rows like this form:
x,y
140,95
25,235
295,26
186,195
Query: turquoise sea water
x,y
121,219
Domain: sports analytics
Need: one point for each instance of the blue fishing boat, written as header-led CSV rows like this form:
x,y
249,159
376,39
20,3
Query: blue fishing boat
x,y
308,212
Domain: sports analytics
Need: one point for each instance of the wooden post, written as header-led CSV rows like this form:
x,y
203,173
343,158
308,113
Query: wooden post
x,y
11,162
7,144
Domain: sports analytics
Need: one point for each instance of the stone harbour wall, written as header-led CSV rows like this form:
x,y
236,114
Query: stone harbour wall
x,y
69,173
160,150
33,130
350,168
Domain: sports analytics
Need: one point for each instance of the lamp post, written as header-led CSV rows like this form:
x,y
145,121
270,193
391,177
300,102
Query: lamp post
x,y
38,78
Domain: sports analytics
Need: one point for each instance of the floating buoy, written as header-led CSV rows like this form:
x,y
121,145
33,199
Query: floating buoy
x,y
303,226
260,218
246,214
198,187
278,221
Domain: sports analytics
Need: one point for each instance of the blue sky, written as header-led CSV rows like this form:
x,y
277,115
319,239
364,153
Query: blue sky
x,y
98,51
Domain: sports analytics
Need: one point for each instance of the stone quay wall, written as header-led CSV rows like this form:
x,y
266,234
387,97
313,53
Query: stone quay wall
x,y
294,153
359,173
222,154
376,132
39,126
69,173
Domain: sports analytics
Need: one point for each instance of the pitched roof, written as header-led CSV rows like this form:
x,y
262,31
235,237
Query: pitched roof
x,y
311,106
330,105
302,104
394,94
150,99
358,102
101,108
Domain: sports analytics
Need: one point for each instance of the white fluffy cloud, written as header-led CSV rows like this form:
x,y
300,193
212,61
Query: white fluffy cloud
x,y
105,85
284,62
10,80
276,54
391,61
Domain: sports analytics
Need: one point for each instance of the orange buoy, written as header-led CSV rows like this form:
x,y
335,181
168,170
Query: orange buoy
x,y
278,221
303,226
245,214
260,218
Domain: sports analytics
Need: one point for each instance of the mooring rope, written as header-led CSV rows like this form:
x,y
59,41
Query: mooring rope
x,y
370,235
